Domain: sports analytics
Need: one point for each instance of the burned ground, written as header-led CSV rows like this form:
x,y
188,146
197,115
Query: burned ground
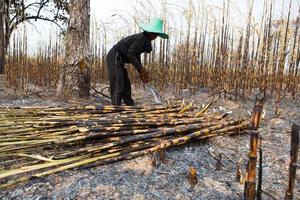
x,y
140,179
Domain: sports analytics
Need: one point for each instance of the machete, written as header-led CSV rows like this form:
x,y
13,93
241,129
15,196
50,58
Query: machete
x,y
157,96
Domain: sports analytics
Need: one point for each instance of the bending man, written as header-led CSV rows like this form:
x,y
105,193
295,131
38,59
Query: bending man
x,y
129,50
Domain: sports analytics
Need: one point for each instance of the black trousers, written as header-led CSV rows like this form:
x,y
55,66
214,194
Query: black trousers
x,y
120,86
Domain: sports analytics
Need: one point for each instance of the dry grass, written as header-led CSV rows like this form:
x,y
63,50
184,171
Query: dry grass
x,y
208,53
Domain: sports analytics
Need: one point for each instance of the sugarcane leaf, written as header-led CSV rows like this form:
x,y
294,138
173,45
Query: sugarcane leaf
x,y
186,108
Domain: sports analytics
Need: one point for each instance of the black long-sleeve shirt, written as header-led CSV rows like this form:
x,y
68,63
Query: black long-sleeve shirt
x,y
131,47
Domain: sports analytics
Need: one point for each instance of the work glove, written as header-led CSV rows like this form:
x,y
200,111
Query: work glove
x,y
144,75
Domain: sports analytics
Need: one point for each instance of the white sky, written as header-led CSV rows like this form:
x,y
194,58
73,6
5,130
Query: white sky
x,y
118,15
104,9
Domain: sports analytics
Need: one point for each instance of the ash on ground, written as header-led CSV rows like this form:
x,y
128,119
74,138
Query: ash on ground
x,y
140,179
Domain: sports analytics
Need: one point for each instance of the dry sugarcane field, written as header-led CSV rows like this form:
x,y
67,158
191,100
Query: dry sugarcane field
x,y
159,99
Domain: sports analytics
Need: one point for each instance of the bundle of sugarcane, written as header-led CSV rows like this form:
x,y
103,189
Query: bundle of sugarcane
x,y
38,141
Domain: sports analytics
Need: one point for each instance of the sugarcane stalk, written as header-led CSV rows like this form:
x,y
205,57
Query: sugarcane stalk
x,y
293,162
38,157
74,129
174,142
26,169
82,160
250,183
179,129
80,136
228,129
87,109
58,128
73,137
200,133
113,157
99,133
85,150
186,108
205,108
259,184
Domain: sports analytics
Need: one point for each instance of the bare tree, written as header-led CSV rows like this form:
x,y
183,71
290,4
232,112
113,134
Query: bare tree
x,y
75,74
15,12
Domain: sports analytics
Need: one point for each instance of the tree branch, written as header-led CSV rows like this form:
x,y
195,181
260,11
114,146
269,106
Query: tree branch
x,y
35,18
43,3
40,6
16,12
35,4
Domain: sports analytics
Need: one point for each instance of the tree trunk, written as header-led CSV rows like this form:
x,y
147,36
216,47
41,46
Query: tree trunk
x,y
75,74
6,20
2,45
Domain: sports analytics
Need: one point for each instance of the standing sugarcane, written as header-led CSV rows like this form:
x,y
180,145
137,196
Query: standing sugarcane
x,y
250,183
259,184
293,162
281,63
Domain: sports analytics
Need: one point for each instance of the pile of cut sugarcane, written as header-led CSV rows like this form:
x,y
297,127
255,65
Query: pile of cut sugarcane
x,y
38,141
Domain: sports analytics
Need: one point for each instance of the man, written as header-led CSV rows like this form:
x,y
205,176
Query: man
x,y
129,50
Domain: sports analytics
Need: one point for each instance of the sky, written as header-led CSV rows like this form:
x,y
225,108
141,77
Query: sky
x,y
117,16
104,9
238,8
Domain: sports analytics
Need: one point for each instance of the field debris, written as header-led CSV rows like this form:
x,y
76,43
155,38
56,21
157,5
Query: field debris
x,y
38,141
